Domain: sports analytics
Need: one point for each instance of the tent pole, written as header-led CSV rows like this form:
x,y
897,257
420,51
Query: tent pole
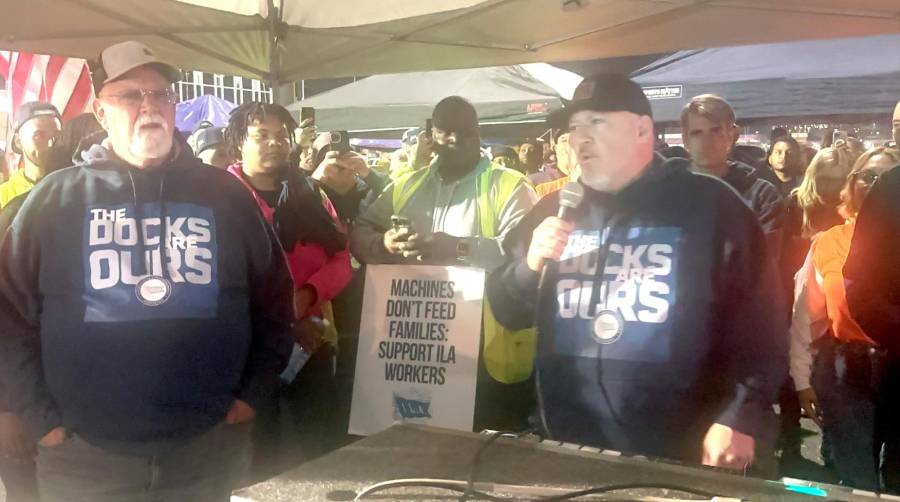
x,y
279,97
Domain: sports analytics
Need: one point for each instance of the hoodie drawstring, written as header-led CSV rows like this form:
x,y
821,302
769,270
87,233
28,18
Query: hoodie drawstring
x,y
164,228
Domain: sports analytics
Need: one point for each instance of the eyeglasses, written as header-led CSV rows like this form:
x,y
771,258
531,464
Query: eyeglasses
x,y
867,177
136,97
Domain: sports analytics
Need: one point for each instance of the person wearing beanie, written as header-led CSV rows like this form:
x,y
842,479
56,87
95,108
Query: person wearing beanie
x,y
460,210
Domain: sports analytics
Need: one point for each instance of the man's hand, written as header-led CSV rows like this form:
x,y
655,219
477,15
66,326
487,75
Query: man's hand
x,y
548,241
308,334
14,442
338,172
810,404
437,247
53,438
307,133
728,448
306,160
356,163
239,413
304,299
395,240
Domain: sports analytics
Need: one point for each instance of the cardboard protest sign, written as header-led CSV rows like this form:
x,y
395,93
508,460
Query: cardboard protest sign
x,y
418,347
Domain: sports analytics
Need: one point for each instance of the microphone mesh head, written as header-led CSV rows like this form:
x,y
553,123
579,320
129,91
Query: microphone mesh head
x,y
571,194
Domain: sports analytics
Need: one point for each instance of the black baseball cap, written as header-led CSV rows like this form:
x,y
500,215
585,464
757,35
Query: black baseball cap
x,y
602,93
209,137
32,110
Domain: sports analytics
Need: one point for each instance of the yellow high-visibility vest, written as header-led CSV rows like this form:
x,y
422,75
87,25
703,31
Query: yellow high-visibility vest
x,y
508,355
17,184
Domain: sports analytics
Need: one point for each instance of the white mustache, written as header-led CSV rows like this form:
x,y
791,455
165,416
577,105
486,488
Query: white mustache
x,y
151,118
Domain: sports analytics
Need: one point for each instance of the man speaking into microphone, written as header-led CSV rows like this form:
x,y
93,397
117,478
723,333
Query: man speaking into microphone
x,y
658,333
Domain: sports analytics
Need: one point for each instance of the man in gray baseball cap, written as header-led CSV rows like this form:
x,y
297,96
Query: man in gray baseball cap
x,y
117,60
145,307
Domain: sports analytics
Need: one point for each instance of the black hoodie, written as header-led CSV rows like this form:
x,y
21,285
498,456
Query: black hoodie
x,y
872,270
661,319
764,199
132,355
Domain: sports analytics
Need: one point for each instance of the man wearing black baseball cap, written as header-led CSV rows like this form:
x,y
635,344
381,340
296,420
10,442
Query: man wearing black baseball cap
x,y
36,137
656,316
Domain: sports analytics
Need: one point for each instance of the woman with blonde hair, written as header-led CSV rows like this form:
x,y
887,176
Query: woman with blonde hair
x,y
836,367
812,207
819,194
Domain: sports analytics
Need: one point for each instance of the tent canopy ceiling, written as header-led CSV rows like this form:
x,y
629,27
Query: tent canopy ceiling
x,y
859,76
285,40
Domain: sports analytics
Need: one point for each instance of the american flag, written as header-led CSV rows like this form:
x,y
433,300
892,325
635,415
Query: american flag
x,y
65,82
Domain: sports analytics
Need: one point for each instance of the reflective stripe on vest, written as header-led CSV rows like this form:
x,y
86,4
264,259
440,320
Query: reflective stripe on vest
x,y
508,355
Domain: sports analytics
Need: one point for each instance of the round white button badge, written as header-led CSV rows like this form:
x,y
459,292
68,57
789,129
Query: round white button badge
x,y
608,326
153,290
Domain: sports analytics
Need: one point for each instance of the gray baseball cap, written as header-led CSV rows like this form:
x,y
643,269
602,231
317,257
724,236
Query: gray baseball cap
x,y
117,60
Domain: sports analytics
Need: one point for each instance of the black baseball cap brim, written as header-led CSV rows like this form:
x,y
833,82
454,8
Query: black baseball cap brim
x,y
32,110
602,93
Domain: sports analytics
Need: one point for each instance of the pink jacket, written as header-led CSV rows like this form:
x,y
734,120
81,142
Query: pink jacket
x,y
308,263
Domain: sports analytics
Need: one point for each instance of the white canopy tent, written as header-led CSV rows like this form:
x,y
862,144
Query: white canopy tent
x,y
501,95
286,40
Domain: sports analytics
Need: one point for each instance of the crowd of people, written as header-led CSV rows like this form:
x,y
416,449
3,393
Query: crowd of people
x,y
179,316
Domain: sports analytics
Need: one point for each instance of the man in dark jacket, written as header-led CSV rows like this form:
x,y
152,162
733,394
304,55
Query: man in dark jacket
x,y
709,130
17,470
658,330
145,307
708,124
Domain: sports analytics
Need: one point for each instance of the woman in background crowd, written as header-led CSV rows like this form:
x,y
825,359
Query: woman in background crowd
x,y
812,207
852,386
819,193
315,244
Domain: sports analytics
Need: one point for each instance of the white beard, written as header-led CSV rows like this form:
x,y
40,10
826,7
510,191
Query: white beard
x,y
151,143
597,181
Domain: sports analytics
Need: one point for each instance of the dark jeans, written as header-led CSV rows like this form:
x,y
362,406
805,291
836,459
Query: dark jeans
x,y
856,387
501,406
19,480
206,468
789,432
303,420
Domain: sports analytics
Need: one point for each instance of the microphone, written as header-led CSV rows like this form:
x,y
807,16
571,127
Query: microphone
x,y
569,198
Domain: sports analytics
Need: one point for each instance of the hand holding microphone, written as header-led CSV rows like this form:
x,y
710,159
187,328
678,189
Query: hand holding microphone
x,y
549,239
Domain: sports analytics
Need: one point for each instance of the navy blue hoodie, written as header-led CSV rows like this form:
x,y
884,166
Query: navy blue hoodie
x,y
97,336
765,201
661,319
